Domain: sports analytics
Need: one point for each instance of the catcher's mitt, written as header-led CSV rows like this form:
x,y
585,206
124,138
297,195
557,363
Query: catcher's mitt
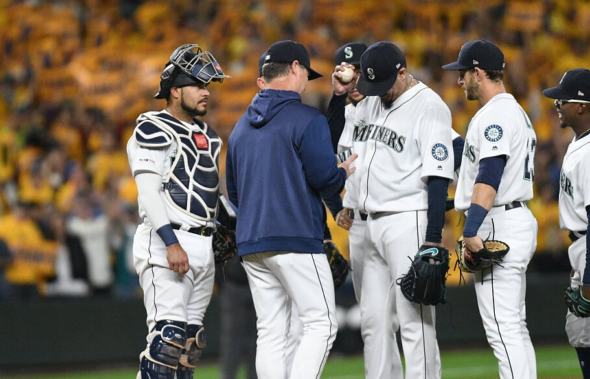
x,y
425,282
492,253
576,302
224,244
338,264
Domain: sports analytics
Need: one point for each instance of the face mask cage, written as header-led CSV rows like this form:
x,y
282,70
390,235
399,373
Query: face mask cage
x,y
199,64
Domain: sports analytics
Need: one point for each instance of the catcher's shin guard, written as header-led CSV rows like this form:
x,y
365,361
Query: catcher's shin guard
x,y
195,343
160,359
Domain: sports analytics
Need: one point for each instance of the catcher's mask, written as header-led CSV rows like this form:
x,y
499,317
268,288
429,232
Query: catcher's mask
x,y
189,65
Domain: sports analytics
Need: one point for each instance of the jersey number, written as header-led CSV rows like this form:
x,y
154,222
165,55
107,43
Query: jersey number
x,y
529,170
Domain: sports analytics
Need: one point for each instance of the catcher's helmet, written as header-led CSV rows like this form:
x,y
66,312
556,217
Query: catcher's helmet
x,y
188,65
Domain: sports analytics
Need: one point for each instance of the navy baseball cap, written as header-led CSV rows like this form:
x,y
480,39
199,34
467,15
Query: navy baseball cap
x,y
288,51
261,63
481,53
574,85
350,53
380,64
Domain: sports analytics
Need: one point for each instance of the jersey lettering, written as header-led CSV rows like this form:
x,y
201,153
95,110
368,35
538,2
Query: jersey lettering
x,y
363,132
469,151
566,185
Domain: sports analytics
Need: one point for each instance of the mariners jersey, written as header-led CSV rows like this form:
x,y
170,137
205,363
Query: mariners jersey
x,y
501,127
574,195
187,158
399,148
344,152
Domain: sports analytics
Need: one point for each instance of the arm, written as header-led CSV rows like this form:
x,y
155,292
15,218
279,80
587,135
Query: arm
x,y
458,145
333,202
437,195
486,186
586,273
336,118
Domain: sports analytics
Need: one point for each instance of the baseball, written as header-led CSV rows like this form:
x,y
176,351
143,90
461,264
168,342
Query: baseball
x,y
346,75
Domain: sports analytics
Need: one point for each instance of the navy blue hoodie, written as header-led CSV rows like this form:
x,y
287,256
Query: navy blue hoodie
x,y
279,158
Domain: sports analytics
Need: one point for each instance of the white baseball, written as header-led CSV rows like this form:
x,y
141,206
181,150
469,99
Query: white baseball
x,y
346,75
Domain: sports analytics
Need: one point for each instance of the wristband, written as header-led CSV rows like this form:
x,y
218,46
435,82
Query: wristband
x,y
475,217
167,235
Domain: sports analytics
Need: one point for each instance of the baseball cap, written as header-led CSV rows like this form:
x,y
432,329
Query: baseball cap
x,y
288,51
261,63
480,53
380,64
350,53
574,85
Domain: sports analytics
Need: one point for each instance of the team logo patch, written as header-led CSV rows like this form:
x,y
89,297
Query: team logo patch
x,y
493,133
440,152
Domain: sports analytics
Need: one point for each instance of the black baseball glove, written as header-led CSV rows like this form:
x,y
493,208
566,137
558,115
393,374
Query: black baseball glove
x,y
492,253
425,282
338,264
224,244
576,302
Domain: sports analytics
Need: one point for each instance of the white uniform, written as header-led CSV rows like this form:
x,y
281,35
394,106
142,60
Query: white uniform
x,y
399,148
501,127
190,202
574,197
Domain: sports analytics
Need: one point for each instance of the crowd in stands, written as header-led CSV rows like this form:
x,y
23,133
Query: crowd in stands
x,y
74,75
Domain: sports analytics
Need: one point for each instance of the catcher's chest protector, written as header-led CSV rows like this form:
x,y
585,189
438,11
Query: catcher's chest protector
x,y
192,184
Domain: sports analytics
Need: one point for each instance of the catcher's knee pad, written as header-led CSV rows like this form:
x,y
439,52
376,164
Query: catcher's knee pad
x,y
166,343
195,343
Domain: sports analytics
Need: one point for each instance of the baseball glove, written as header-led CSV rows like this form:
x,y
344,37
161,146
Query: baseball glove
x,y
224,244
338,264
576,302
425,282
492,253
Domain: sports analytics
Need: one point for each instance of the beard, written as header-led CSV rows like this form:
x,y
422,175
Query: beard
x,y
472,91
194,111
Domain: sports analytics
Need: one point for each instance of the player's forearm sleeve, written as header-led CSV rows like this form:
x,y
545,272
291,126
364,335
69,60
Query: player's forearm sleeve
x,y
437,197
336,118
491,170
148,187
586,276
458,145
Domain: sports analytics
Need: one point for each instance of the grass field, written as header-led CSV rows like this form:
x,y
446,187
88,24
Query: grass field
x,y
553,362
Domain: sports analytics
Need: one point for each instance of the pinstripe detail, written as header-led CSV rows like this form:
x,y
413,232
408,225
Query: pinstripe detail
x,y
494,305
329,318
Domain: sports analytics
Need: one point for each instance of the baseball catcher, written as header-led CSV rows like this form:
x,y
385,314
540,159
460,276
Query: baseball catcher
x,y
492,253
338,264
425,282
576,302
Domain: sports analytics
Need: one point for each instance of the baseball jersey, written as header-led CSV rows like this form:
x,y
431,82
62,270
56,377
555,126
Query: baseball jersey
x,y
344,152
501,127
399,148
190,195
574,195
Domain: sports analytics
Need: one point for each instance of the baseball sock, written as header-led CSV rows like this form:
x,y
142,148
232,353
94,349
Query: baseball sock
x,y
584,358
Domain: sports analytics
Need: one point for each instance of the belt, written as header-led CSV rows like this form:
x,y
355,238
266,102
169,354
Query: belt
x,y
514,204
363,215
200,230
574,236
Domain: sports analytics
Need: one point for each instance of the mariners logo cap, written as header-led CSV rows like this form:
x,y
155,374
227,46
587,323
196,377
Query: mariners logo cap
x,y
379,67
350,53
481,53
289,51
574,85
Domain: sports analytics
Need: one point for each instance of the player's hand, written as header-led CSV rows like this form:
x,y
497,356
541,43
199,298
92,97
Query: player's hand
x,y
473,243
343,219
586,292
341,88
177,258
433,244
346,165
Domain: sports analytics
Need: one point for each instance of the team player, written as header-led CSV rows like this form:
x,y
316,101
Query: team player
x,y
572,101
402,135
174,157
495,180
280,148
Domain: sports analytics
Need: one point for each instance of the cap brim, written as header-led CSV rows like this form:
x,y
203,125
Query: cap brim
x,y
374,89
455,66
555,93
313,74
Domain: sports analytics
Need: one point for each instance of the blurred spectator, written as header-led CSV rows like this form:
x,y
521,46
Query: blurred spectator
x,y
5,260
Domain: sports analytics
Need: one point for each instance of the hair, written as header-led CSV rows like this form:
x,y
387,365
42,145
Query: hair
x,y
495,75
275,70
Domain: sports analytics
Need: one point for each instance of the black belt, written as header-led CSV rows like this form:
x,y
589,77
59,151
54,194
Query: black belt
x,y
364,215
574,236
200,230
514,204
